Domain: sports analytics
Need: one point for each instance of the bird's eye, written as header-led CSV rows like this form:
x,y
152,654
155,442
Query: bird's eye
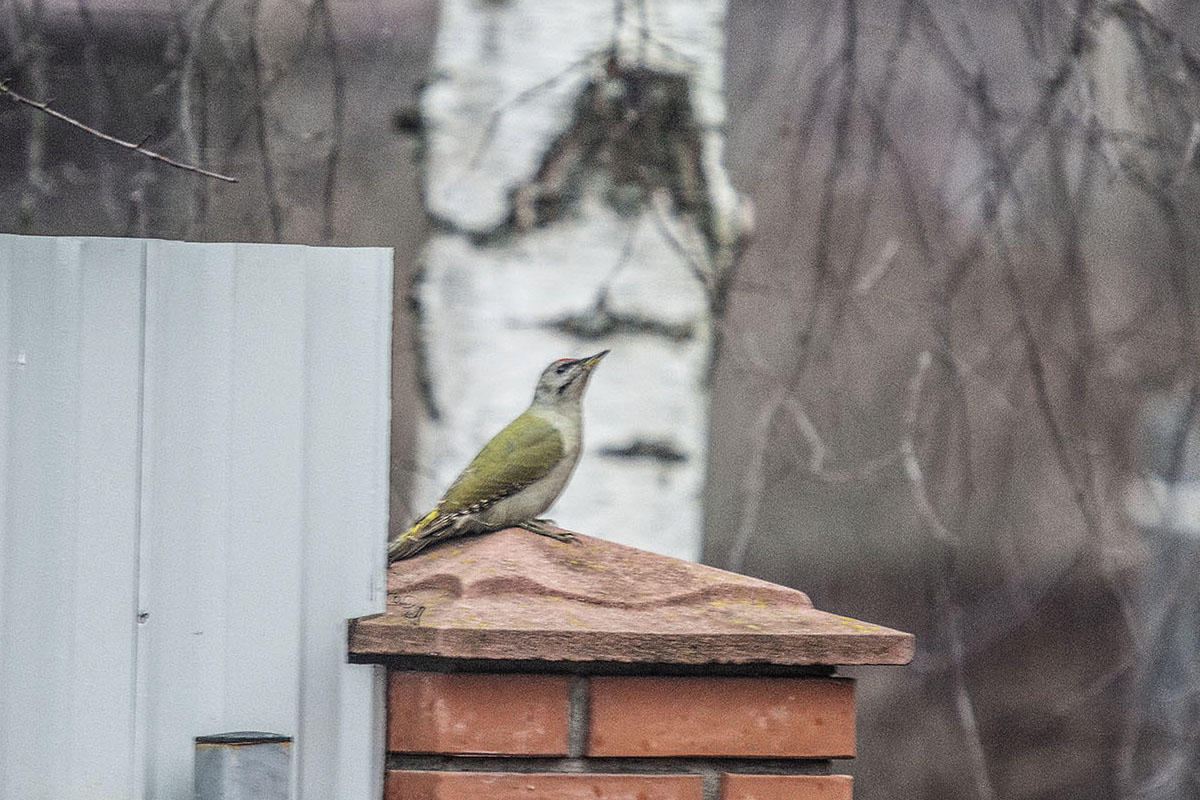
x,y
561,369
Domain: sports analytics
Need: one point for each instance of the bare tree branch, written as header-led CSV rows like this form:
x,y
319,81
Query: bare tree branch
x,y
261,90
197,17
754,479
919,490
137,148
337,113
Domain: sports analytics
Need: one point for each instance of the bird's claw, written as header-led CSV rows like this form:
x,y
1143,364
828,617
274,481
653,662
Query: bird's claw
x,y
539,526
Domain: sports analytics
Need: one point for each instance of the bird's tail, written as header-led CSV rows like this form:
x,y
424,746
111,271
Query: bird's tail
x,y
423,532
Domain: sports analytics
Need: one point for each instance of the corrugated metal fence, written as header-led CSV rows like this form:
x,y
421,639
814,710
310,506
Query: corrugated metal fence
x,y
193,499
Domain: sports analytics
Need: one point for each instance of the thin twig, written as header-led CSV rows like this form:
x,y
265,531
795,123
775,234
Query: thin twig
x,y
260,84
912,461
825,279
493,123
37,182
337,114
887,257
701,272
951,613
754,480
964,704
192,113
46,109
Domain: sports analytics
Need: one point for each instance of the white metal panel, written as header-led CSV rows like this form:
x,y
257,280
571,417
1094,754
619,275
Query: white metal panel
x,y
9,365
69,446
275,422
262,639
105,549
197,433
186,503
346,437
42,433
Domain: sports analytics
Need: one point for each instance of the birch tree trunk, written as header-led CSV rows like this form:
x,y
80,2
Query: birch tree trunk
x,y
575,177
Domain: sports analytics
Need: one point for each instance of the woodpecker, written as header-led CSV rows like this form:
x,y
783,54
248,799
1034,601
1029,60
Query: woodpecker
x,y
520,472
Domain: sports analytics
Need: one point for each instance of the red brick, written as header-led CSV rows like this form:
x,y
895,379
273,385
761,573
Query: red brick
x,y
508,714
437,785
786,717
785,787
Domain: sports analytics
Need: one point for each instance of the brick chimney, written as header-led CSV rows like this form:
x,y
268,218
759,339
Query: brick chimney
x,y
522,667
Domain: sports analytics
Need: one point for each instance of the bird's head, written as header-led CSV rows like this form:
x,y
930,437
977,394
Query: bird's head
x,y
564,380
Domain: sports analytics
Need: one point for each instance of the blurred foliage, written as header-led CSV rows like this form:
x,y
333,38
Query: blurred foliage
x,y
972,284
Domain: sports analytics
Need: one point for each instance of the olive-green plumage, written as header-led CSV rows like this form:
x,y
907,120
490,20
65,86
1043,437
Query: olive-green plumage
x,y
520,472
523,452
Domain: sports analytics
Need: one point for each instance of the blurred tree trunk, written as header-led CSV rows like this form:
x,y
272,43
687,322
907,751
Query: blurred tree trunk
x,y
575,179
1135,99
981,265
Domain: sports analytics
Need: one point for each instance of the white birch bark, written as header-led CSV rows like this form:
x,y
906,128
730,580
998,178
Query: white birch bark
x,y
495,279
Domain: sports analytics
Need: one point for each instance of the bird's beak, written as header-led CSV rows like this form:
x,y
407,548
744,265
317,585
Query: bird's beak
x,y
592,361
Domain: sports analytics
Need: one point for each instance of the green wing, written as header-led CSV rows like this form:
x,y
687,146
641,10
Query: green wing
x,y
521,454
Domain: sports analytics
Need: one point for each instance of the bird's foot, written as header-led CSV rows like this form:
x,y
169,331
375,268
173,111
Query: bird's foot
x,y
539,526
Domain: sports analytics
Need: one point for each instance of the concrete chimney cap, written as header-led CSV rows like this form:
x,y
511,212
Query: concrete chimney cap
x,y
512,595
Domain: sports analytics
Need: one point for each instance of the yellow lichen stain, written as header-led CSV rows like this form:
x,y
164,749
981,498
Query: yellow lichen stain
x,y
471,621
850,622
745,602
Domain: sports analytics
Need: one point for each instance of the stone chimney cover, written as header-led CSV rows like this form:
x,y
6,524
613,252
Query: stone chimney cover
x,y
513,595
